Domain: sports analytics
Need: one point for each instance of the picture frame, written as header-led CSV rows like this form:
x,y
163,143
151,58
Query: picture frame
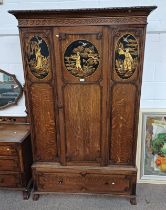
x,y
151,146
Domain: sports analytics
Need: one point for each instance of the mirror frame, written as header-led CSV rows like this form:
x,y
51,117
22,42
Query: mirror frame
x,y
20,86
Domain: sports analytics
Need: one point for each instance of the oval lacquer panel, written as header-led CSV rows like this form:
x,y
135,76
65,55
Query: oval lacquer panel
x,y
126,56
81,58
38,57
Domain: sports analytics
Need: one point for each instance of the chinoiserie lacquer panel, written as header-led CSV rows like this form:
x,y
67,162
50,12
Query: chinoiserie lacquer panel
x,y
37,56
81,58
126,55
81,54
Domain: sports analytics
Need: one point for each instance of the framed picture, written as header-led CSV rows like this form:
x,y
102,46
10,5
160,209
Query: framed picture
x,y
151,148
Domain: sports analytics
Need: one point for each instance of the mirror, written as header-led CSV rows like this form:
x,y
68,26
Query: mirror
x,y
10,89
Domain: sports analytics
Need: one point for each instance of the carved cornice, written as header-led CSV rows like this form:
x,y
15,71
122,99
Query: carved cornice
x,y
84,21
86,12
91,16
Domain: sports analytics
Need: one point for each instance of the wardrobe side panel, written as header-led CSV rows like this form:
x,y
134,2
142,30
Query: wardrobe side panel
x,y
40,95
125,89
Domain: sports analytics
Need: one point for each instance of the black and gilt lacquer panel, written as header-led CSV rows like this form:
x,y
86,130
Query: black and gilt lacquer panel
x,y
126,56
38,57
81,58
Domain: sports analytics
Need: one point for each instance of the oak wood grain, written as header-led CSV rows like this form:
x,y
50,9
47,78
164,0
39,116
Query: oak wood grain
x,y
123,107
44,122
83,122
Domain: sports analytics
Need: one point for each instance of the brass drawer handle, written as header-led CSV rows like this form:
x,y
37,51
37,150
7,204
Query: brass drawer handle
x,y
83,173
107,183
84,189
60,181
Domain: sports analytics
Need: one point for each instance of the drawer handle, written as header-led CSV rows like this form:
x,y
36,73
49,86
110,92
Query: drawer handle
x,y
84,189
8,149
107,183
60,181
1,180
83,174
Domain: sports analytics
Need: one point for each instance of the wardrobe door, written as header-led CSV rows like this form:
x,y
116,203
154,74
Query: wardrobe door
x,y
126,74
82,92
40,94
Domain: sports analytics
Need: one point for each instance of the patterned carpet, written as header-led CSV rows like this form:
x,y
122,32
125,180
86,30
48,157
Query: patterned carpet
x,y
149,197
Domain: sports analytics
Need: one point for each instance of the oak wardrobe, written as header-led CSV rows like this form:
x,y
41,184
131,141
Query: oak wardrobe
x,y
83,72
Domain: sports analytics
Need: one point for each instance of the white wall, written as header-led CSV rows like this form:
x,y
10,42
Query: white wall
x,y
154,77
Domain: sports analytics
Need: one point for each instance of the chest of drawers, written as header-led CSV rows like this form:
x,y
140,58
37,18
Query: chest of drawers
x,y
15,158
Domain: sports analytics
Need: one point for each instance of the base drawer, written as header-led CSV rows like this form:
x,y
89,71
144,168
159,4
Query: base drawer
x,y
10,180
59,182
9,165
106,183
8,150
82,182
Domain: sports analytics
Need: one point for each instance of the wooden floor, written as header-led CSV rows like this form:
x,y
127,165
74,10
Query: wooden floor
x,y
149,197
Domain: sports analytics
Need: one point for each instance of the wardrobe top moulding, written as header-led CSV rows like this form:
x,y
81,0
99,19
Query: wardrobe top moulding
x,y
93,16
